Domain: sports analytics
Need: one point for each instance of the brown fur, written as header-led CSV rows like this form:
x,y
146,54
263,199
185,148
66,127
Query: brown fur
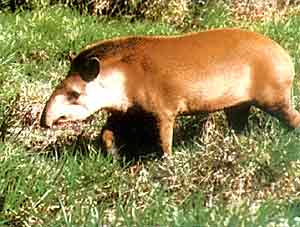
x,y
227,69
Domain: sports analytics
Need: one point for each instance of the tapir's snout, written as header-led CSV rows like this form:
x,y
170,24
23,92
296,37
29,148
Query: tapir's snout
x,y
47,120
65,106
44,122
53,112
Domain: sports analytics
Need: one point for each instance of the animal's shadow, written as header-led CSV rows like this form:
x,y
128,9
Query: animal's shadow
x,y
137,134
136,137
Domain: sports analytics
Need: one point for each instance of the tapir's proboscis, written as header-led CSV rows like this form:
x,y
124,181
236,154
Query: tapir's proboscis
x,y
221,69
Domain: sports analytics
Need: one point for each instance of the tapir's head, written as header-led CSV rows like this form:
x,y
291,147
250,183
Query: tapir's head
x,y
88,87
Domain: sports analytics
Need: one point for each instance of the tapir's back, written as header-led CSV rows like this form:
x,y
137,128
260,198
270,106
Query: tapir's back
x,y
209,70
203,52
214,50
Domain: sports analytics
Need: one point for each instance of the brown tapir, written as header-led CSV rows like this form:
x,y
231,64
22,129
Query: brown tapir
x,y
228,69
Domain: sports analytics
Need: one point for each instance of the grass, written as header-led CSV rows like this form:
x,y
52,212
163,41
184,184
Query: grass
x,y
59,177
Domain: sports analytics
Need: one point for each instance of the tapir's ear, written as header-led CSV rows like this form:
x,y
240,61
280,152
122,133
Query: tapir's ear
x,y
90,69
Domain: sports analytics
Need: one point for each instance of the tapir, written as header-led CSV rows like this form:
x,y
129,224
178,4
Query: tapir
x,y
220,69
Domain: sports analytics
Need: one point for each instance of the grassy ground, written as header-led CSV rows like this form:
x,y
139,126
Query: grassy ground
x,y
59,178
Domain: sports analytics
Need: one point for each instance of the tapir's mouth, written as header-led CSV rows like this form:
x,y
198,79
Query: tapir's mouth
x,y
62,122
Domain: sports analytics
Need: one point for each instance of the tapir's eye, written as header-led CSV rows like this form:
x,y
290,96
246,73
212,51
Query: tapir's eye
x,y
72,96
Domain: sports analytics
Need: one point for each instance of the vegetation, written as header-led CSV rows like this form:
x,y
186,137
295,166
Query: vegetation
x,y
60,178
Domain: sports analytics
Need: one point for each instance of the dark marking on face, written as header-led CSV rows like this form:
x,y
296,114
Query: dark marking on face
x,y
72,96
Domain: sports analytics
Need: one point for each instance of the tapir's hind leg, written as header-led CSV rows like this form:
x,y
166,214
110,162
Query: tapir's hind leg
x,y
292,117
237,117
285,113
283,110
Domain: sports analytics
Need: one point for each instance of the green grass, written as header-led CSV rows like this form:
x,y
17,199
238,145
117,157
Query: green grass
x,y
59,178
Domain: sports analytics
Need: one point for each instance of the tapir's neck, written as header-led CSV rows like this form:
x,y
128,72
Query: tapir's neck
x,y
107,92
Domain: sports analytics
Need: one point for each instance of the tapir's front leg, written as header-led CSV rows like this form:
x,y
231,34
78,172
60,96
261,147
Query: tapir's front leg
x,y
108,143
109,136
166,124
